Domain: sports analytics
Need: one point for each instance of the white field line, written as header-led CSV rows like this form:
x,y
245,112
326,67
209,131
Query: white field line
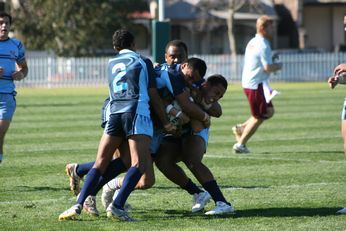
x,y
285,186
250,156
141,193
32,202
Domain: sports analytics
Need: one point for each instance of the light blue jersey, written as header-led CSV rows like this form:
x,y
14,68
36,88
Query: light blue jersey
x,y
128,83
11,51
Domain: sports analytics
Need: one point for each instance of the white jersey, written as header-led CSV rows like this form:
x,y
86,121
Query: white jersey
x,y
257,54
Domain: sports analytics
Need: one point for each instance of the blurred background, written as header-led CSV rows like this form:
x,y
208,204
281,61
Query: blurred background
x,y
69,42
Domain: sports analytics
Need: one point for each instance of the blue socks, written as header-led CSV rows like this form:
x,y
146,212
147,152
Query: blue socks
x,y
191,188
90,183
214,191
115,167
130,181
83,169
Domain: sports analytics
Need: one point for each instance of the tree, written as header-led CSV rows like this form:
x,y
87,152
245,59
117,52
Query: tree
x,y
232,6
72,27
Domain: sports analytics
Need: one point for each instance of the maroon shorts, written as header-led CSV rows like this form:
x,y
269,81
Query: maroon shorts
x,y
257,101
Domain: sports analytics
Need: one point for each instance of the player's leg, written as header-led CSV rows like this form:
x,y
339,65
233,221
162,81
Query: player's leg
x,y
166,161
76,172
139,149
110,188
107,147
7,109
4,125
194,147
260,111
139,130
110,141
343,125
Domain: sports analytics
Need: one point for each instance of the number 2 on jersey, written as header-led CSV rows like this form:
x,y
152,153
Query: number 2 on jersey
x,y
119,70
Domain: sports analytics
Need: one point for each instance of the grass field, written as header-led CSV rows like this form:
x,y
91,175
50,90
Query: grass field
x,y
294,179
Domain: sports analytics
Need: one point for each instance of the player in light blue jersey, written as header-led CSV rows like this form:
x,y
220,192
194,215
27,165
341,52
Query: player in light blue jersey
x,y
13,67
131,87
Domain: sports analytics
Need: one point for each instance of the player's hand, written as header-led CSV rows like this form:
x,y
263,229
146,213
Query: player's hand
x,y
170,128
206,120
339,69
18,75
183,118
333,81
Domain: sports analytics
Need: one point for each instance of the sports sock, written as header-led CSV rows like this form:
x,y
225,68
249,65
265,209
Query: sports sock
x,y
1,157
90,183
130,181
83,169
214,191
115,184
115,167
191,188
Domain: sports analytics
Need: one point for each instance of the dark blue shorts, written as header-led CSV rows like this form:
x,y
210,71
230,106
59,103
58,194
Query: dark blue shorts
x,y
128,124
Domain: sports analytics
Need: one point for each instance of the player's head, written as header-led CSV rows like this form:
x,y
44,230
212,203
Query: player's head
x,y
175,52
123,39
264,26
193,70
5,25
214,88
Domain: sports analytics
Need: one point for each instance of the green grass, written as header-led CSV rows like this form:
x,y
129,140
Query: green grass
x,y
294,179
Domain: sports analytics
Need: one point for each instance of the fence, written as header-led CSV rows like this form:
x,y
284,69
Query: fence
x,y
51,71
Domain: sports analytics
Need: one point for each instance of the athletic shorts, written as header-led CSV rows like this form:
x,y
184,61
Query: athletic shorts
x,y
128,124
257,101
343,114
105,112
204,134
7,106
156,141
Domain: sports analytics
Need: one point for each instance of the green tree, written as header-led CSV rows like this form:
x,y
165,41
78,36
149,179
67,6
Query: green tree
x,y
72,27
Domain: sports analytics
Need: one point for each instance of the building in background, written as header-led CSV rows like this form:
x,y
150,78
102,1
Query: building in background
x,y
304,24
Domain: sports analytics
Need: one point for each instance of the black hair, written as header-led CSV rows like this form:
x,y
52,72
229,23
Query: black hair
x,y
217,79
4,14
177,43
123,39
198,64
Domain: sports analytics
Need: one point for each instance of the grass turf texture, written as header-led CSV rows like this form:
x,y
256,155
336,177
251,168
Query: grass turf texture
x,y
294,179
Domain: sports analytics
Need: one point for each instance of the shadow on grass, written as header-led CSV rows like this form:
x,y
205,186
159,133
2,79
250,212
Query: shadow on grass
x,y
266,212
286,212
26,188
48,105
221,186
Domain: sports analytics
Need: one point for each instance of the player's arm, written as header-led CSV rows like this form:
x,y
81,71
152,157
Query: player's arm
x,y
214,110
267,61
155,99
22,70
191,109
340,69
272,67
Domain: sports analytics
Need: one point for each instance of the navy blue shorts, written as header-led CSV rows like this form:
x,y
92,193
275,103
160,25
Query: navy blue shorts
x,y
128,124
